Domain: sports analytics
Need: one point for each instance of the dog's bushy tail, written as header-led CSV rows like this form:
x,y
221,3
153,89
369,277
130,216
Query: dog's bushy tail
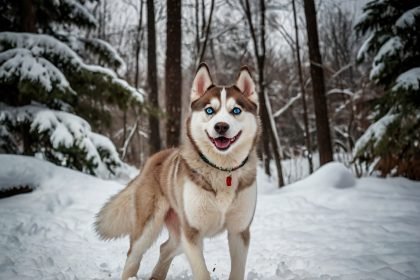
x,y
116,218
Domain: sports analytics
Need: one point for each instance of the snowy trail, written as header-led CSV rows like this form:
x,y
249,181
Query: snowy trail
x,y
327,226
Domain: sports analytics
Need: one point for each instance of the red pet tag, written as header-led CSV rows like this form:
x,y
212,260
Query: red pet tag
x,y
229,181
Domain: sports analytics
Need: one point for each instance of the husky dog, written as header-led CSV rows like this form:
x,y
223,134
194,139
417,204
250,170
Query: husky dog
x,y
203,188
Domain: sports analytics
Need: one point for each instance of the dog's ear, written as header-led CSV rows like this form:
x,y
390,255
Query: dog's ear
x,y
246,85
202,82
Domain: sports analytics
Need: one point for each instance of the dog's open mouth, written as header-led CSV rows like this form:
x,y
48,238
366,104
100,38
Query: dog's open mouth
x,y
223,143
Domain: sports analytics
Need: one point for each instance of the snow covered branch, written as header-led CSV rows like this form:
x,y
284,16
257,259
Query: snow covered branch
x,y
72,11
64,57
346,91
18,65
287,106
97,47
409,80
374,133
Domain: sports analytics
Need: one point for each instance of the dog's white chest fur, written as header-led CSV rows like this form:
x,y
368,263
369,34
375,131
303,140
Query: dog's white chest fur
x,y
204,210
208,212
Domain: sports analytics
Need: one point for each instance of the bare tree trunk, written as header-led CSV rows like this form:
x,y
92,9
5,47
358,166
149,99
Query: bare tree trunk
x,y
197,27
124,126
128,140
303,92
154,139
27,24
275,141
268,125
204,45
28,16
317,75
263,109
173,72
138,45
103,20
203,16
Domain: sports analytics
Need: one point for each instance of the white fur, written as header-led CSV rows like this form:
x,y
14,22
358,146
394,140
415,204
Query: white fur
x,y
223,96
206,212
242,210
210,214
215,104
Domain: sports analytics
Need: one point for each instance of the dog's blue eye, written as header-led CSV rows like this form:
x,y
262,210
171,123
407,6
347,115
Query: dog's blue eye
x,y
209,111
236,111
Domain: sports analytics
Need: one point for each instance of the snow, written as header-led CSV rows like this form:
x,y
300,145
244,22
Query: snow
x,y
374,133
327,226
408,80
20,171
408,18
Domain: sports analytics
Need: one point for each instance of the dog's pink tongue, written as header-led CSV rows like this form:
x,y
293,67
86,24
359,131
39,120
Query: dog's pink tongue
x,y
222,142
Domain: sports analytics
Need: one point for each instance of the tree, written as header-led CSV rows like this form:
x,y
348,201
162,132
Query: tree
x,y
390,144
46,82
348,89
173,73
154,139
303,91
317,75
268,125
201,48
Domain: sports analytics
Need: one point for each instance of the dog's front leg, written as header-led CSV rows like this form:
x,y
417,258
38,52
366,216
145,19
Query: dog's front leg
x,y
238,248
192,244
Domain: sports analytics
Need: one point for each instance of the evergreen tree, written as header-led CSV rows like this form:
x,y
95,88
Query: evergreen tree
x,y
391,144
50,72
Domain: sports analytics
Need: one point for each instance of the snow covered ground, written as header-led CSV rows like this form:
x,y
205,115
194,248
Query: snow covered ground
x,y
327,226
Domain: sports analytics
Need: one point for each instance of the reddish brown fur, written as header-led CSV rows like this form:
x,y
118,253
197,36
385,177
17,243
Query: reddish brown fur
x,y
231,91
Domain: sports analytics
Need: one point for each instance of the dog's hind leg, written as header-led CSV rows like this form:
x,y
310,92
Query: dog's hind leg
x,y
142,243
170,249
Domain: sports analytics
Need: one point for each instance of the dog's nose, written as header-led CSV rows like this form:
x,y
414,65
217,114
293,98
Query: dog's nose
x,y
221,127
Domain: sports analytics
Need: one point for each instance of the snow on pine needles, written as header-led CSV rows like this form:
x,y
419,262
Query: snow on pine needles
x,y
327,226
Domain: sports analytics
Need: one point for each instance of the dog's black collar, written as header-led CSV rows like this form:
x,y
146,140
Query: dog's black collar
x,y
203,157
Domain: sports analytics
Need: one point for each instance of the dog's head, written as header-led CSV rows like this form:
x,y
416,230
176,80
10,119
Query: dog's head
x,y
224,121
